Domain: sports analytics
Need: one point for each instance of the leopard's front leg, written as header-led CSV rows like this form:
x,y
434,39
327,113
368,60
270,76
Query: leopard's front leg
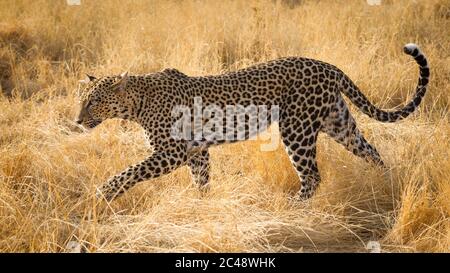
x,y
199,164
158,164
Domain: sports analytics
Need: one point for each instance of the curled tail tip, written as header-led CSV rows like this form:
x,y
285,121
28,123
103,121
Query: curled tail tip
x,y
411,49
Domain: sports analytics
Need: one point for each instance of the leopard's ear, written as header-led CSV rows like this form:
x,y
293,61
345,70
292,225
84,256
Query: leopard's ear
x,y
88,79
121,84
91,78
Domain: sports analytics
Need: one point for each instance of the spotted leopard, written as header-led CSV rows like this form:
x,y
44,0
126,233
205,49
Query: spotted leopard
x,y
308,93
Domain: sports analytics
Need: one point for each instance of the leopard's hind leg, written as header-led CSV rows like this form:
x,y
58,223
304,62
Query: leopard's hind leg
x,y
341,126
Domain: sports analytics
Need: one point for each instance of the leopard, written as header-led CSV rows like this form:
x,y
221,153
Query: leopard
x,y
308,94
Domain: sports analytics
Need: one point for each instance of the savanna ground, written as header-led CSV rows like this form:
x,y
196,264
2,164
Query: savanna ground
x,y
49,168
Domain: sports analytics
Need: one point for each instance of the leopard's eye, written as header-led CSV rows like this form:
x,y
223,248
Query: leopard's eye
x,y
94,101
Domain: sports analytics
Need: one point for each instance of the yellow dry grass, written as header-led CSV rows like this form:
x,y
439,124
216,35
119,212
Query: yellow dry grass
x,y
49,171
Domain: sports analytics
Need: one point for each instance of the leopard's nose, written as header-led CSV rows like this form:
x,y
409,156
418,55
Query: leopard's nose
x,y
79,121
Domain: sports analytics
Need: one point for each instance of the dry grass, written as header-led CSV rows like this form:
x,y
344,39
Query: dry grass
x,y
48,171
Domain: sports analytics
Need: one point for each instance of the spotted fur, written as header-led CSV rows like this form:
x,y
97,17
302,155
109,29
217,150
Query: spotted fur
x,y
308,93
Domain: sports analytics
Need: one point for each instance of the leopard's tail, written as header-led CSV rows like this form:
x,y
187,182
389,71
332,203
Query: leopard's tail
x,y
357,97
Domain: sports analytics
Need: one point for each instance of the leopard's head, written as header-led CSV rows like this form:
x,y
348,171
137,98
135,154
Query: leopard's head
x,y
101,99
